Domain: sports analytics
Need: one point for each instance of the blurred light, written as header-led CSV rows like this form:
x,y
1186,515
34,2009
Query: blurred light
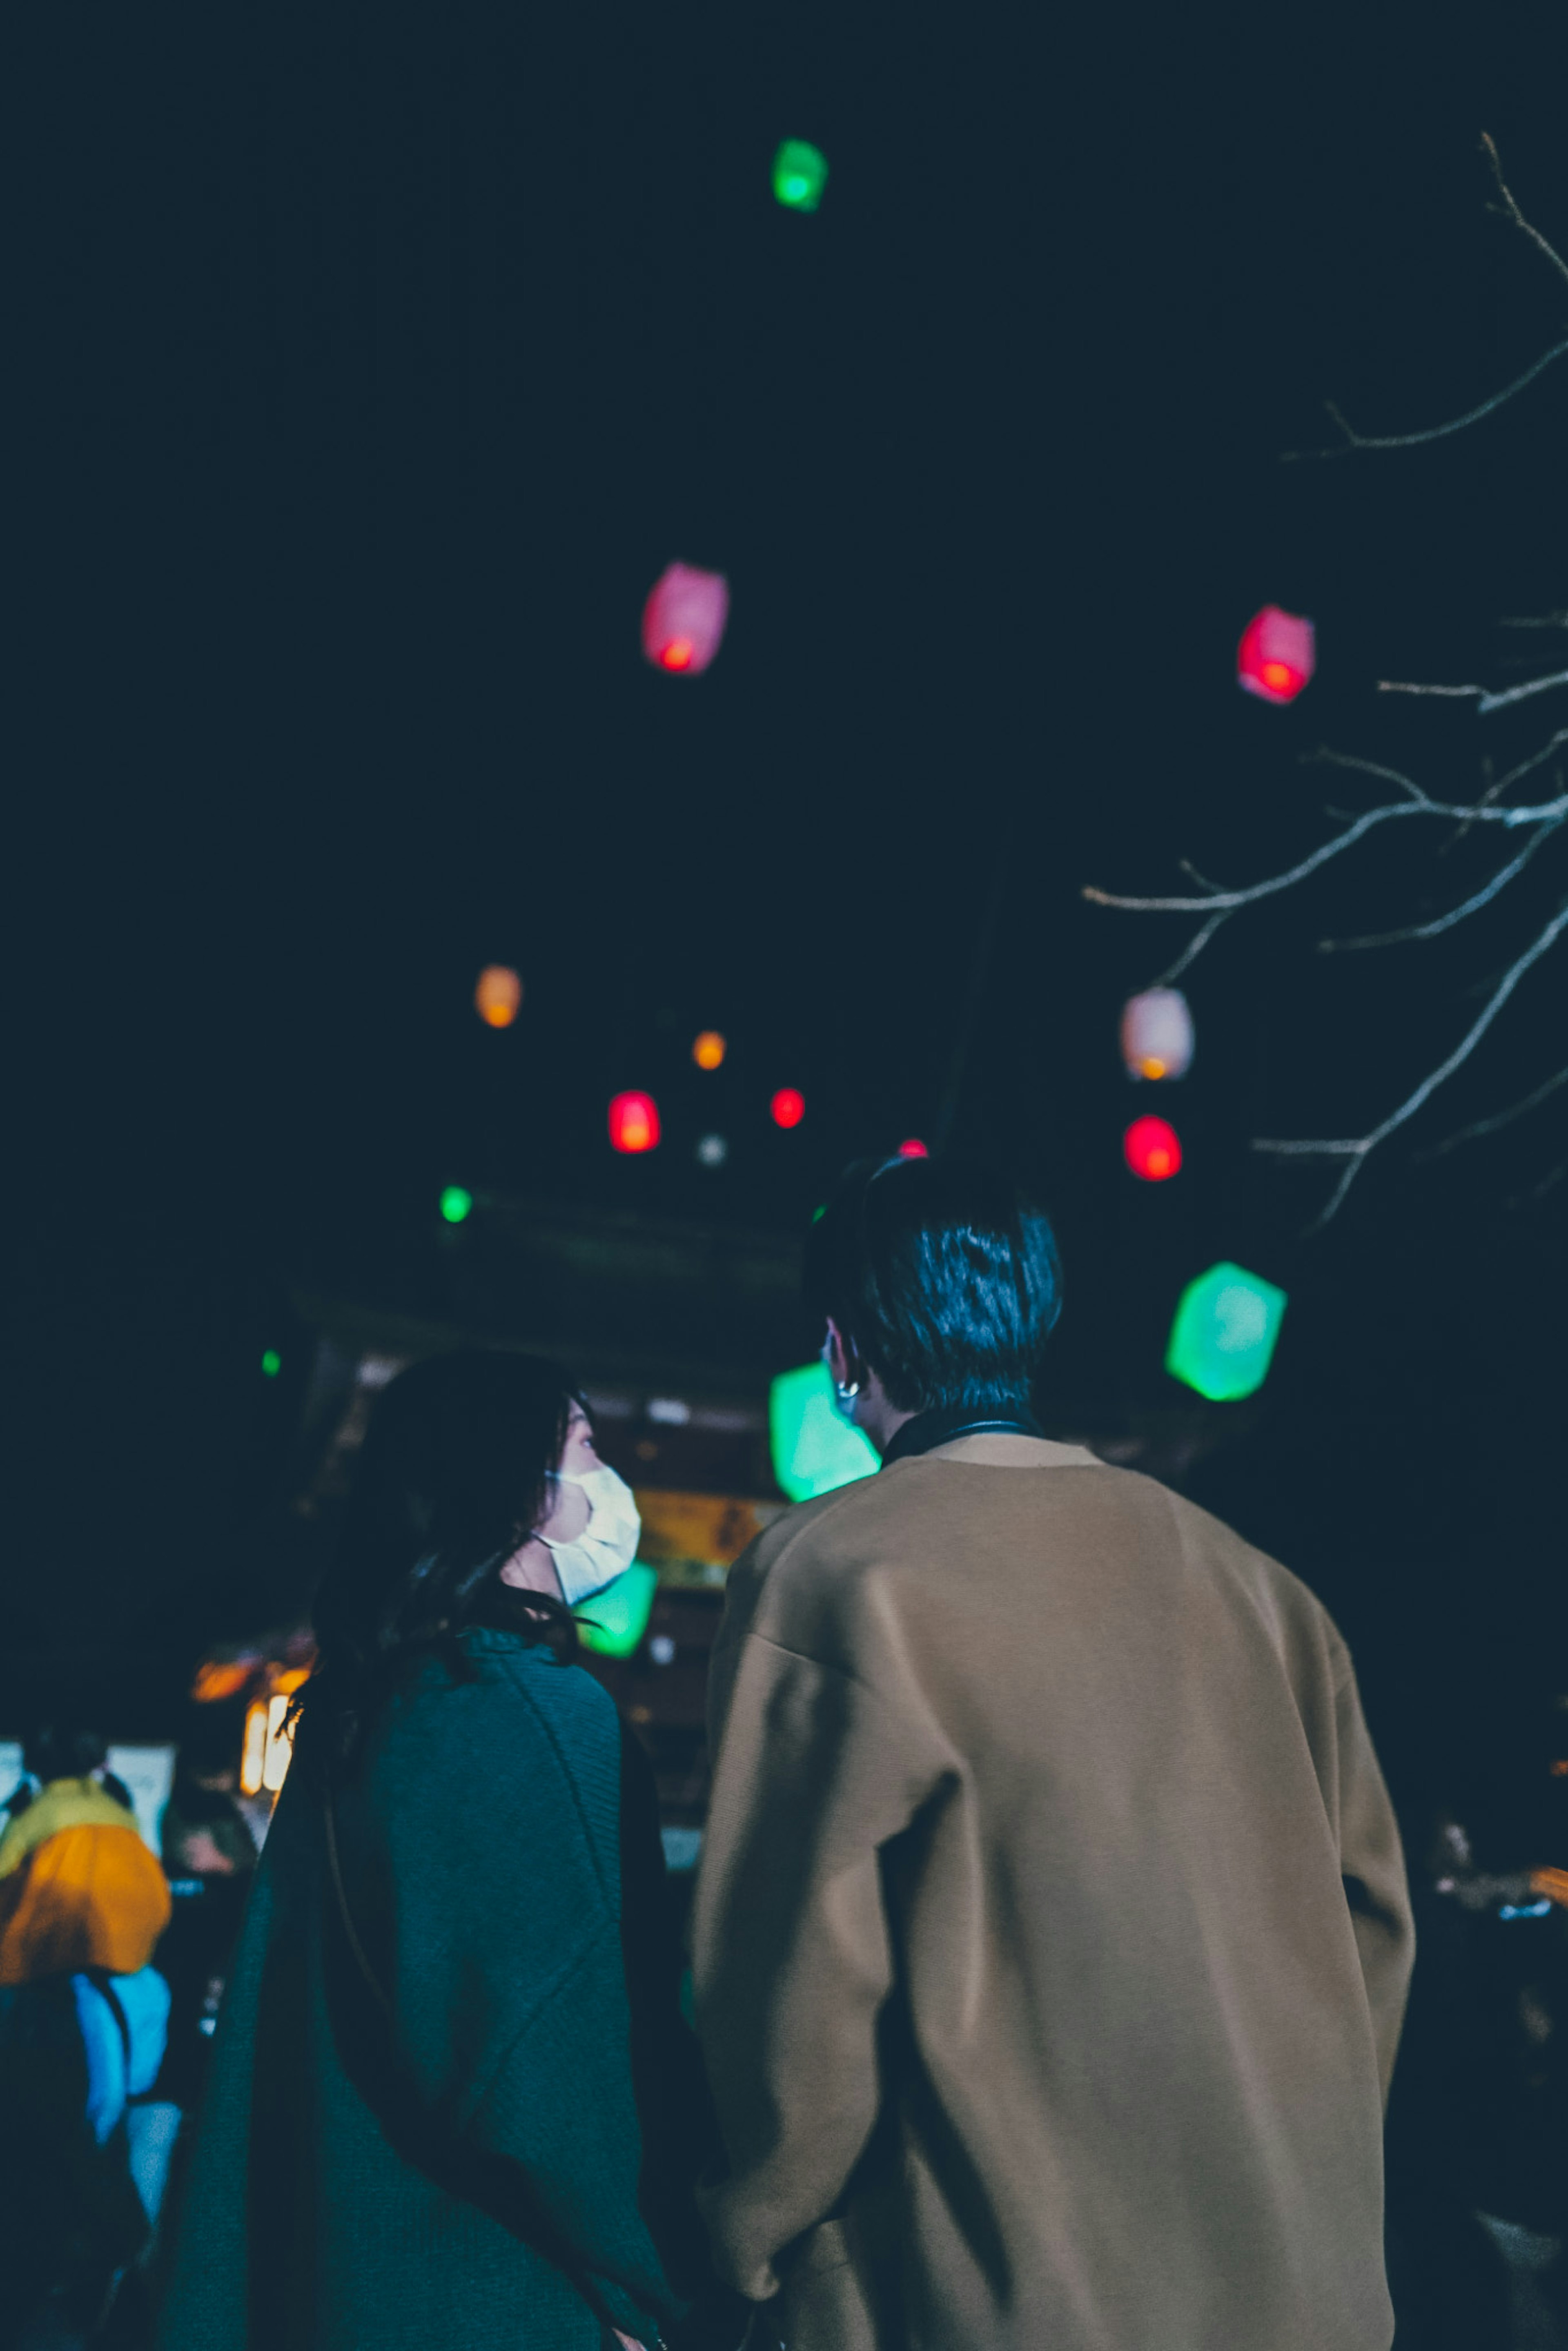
x,y
662,1650
815,1450
271,1362
788,1107
279,1752
1222,1340
498,994
818,1214
684,618
213,1683
455,1203
1277,655
799,175
709,1049
634,1122
912,1149
1560,1769
712,1151
673,1411
1157,1034
253,1755
615,1621
1152,1149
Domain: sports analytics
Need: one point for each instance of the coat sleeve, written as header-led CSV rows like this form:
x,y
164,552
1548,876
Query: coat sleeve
x,y
792,1958
1372,1863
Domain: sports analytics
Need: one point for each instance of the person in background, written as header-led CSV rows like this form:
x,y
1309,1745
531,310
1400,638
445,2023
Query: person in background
x,y
1051,1936
82,2023
451,2098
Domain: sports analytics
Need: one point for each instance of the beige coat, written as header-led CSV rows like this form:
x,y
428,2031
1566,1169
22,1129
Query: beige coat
x,y
1051,1937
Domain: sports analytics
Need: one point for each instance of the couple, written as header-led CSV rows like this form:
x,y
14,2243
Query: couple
x,y
1051,1940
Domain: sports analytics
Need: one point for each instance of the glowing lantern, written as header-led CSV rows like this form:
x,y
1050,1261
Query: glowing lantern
x,y
712,1151
1277,655
1152,1150
709,1049
788,1107
799,175
684,618
1157,1034
814,1448
455,1204
912,1149
634,1122
1222,1340
271,1362
615,1621
498,996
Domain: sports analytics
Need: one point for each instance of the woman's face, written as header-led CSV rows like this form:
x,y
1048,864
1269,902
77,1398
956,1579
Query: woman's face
x,y
532,1567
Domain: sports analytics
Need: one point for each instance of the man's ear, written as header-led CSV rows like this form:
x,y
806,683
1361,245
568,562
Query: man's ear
x,y
844,1359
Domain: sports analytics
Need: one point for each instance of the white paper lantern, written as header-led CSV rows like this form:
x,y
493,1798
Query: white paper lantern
x,y
1157,1034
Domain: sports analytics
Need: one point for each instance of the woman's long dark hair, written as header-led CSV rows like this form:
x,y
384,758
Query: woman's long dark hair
x,y
452,1478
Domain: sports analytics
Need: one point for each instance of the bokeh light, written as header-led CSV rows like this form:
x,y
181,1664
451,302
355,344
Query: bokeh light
x,y
1152,1150
1277,655
498,996
708,1052
799,175
788,1107
455,1203
634,1122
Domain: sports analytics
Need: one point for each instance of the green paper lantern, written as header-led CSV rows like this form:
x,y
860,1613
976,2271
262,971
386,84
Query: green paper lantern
x,y
455,1203
271,1362
815,1450
799,175
615,1621
1222,1341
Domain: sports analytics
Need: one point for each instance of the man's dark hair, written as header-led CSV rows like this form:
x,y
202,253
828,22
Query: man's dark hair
x,y
942,1275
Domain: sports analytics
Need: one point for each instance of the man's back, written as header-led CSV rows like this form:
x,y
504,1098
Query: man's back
x,y
1024,1959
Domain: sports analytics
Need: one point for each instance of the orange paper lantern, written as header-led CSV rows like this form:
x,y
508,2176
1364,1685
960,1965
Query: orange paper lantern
x,y
498,996
708,1052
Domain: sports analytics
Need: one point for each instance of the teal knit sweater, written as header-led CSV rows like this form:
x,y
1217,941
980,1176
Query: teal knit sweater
x,y
480,1847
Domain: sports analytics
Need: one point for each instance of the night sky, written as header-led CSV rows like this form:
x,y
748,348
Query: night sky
x,y
370,364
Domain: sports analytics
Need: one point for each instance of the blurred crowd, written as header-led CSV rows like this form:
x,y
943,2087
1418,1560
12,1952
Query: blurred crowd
x,y
112,1964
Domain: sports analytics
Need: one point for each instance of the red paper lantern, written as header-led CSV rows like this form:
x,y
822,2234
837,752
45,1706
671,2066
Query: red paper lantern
x,y
1153,1150
912,1149
1277,655
684,619
634,1122
789,1107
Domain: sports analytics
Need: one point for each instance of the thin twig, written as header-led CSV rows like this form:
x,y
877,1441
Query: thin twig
x,y
1355,441
1478,1128
1323,757
1512,208
1356,1152
1441,923
1226,901
1190,953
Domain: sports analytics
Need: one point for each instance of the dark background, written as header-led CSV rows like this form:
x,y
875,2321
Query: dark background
x,y
368,366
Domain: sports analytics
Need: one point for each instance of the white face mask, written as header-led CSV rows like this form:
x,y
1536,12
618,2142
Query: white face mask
x,y
607,1545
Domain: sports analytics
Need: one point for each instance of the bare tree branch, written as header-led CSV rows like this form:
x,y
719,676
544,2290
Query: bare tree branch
x,y
1358,1150
1226,900
1486,700
1510,208
1323,757
1472,905
1501,1118
1355,441
1193,949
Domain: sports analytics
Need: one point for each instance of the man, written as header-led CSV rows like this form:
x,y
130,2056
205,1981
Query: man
x,y
1052,1939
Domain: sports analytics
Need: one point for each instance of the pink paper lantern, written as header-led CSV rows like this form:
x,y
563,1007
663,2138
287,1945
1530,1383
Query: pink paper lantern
x,y
684,619
1277,655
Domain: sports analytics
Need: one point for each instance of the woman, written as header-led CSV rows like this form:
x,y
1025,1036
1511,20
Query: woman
x,y
451,2098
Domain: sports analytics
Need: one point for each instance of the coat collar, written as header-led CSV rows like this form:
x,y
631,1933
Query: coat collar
x,y
1006,1450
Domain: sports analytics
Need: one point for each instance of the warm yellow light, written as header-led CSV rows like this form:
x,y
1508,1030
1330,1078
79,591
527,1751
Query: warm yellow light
x,y
498,994
1153,1068
216,1682
709,1049
280,1746
254,1756
285,1685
